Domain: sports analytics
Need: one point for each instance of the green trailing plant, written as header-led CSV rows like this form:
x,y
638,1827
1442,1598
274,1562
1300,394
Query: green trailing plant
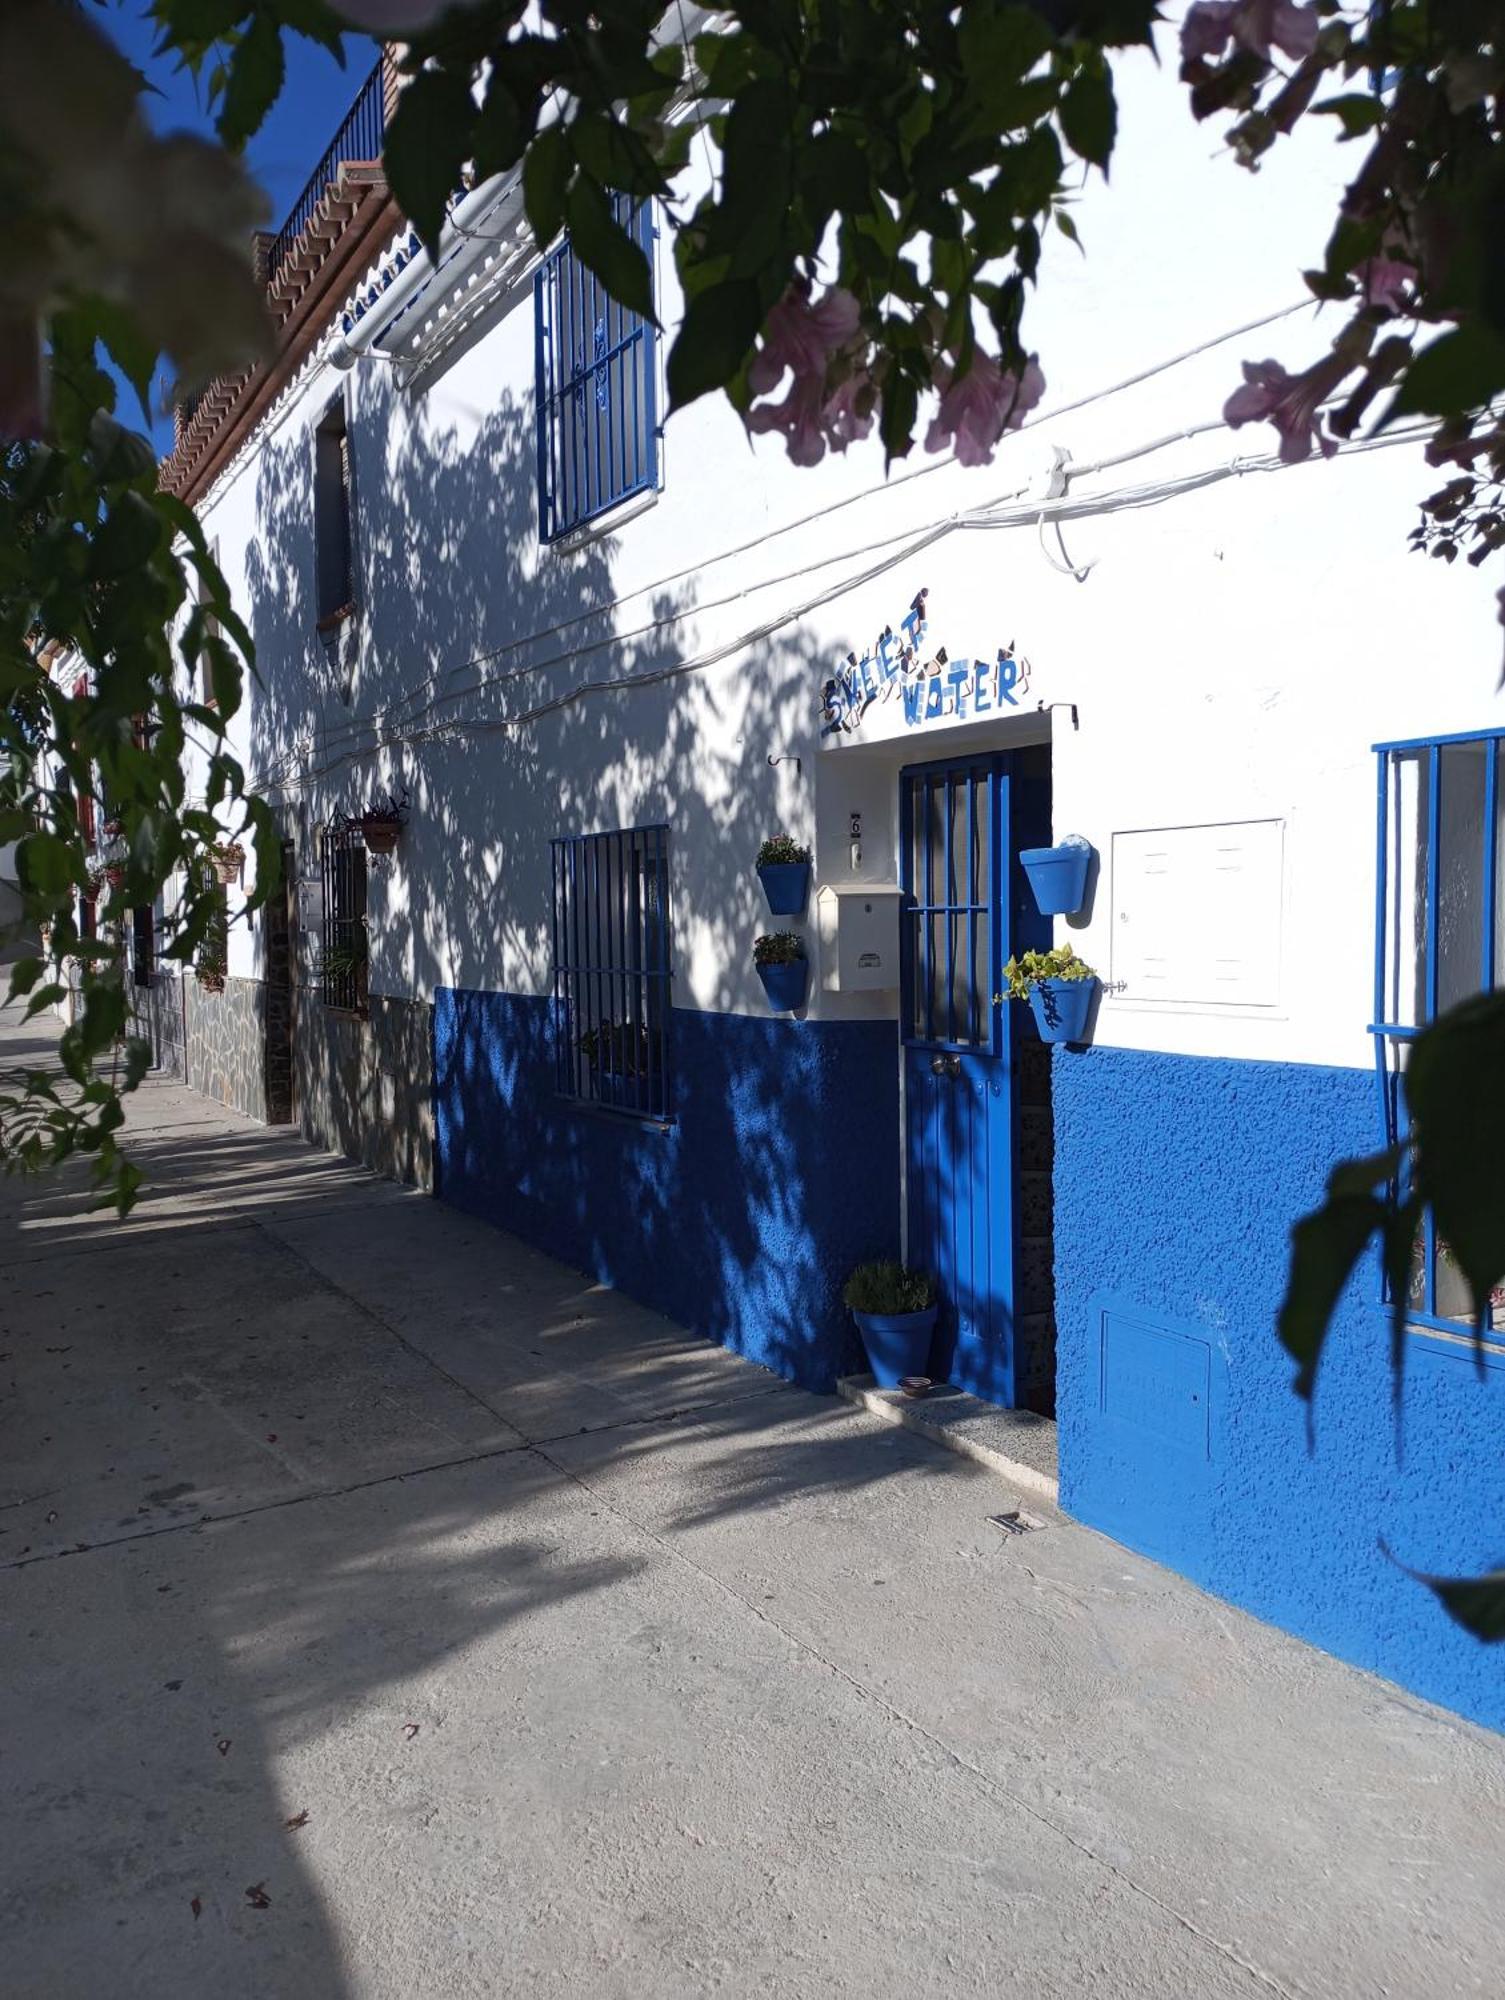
x,y
211,961
1023,975
385,809
778,948
348,959
886,1286
781,850
617,1048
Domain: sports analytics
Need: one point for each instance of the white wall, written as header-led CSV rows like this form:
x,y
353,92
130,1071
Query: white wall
x,y
1233,653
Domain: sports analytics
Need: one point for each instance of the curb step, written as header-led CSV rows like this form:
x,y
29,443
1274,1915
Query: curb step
x,y
1016,1444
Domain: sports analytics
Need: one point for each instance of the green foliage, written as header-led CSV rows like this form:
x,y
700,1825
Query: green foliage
x,y
1450,1163
781,850
886,1286
617,1048
1022,975
348,958
97,569
778,948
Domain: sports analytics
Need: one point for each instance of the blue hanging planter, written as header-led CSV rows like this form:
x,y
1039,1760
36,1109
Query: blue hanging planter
x,y
1061,1008
785,984
897,1344
786,885
1057,876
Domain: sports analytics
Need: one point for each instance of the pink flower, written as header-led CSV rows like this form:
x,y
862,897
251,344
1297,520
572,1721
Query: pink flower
x,y
1291,402
847,413
978,407
802,337
797,418
1255,25
1384,281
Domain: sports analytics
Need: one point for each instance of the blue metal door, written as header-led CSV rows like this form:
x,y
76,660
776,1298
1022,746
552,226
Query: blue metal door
x,y
955,850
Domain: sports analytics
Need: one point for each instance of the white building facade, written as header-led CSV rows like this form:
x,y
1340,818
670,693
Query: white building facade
x,y
596,658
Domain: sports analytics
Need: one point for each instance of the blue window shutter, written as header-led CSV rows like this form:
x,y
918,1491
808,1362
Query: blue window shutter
x,y
596,376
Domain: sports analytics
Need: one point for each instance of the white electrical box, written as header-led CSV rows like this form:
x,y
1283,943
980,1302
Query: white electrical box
x,y
859,936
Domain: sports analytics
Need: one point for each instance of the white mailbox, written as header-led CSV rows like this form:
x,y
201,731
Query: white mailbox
x,y
859,936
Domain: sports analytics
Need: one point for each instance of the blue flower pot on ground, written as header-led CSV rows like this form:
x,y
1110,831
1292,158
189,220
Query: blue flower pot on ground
x,y
1057,876
1061,1008
898,1344
785,984
786,885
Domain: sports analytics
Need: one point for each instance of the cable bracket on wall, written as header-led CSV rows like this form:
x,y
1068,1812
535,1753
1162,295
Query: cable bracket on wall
x,y
1044,708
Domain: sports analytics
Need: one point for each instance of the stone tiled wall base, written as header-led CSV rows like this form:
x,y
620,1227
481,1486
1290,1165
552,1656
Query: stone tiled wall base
x,y
366,1087
233,1039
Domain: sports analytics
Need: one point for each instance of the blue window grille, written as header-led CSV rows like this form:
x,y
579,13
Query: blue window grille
x,y
1439,937
950,877
597,382
612,969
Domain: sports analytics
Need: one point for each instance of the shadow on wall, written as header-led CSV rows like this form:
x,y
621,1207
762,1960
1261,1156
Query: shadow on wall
x,y
781,1171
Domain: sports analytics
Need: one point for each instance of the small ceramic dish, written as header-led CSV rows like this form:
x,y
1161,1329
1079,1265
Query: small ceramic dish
x,y
915,1385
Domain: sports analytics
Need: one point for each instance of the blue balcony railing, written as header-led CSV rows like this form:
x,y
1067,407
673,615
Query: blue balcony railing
x,y
360,137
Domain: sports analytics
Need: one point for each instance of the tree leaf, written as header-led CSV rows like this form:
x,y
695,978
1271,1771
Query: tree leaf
x,y
715,336
1089,116
1325,1247
604,247
254,81
1455,1085
1476,1602
1458,373
427,144
546,177
126,538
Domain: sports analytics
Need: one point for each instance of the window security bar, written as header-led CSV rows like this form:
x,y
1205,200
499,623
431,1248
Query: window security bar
x,y
612,969
1439,938
596,373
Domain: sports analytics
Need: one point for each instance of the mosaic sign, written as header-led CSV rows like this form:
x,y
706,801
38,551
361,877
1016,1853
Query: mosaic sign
x,y
924,686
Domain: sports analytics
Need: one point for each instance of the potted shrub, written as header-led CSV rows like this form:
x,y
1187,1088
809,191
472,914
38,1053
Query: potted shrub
x,y
382,821
781,964
784,871
227,859
618,1052
895,1311
1059,987
1057,876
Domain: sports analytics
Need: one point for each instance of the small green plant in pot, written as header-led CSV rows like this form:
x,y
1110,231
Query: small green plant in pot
x,y
1060,988
781,964
784,871
895,1310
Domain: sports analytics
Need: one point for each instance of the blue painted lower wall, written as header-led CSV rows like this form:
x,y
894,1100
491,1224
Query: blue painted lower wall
x,y
1177,1179
741,1220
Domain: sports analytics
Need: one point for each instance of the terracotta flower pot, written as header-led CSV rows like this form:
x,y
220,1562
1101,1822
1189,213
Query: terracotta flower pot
x,y
380,835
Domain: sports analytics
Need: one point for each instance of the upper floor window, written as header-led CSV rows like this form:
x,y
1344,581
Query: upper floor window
x,y
334,516
342,967
597,388
612,968
1441,938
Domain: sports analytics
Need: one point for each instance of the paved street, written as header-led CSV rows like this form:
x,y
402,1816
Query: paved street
x,y
388,1612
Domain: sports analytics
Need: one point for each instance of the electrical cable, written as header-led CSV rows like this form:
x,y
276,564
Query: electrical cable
x,y
1132,499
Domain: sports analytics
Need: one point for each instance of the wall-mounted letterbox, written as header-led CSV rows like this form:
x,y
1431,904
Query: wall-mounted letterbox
x,y
859,936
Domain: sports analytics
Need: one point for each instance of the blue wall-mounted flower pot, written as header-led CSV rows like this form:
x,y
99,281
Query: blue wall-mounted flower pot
x,y
786,885
785,984
1057,877
1061,1008
898,1344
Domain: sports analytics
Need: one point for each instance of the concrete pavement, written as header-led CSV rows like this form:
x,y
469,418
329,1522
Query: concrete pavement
x,y
388,1611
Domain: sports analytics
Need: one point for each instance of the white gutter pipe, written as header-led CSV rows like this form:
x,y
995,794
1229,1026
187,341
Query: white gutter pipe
x,y
461,243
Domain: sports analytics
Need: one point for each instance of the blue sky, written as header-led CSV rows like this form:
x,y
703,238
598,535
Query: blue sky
x,y
315,97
